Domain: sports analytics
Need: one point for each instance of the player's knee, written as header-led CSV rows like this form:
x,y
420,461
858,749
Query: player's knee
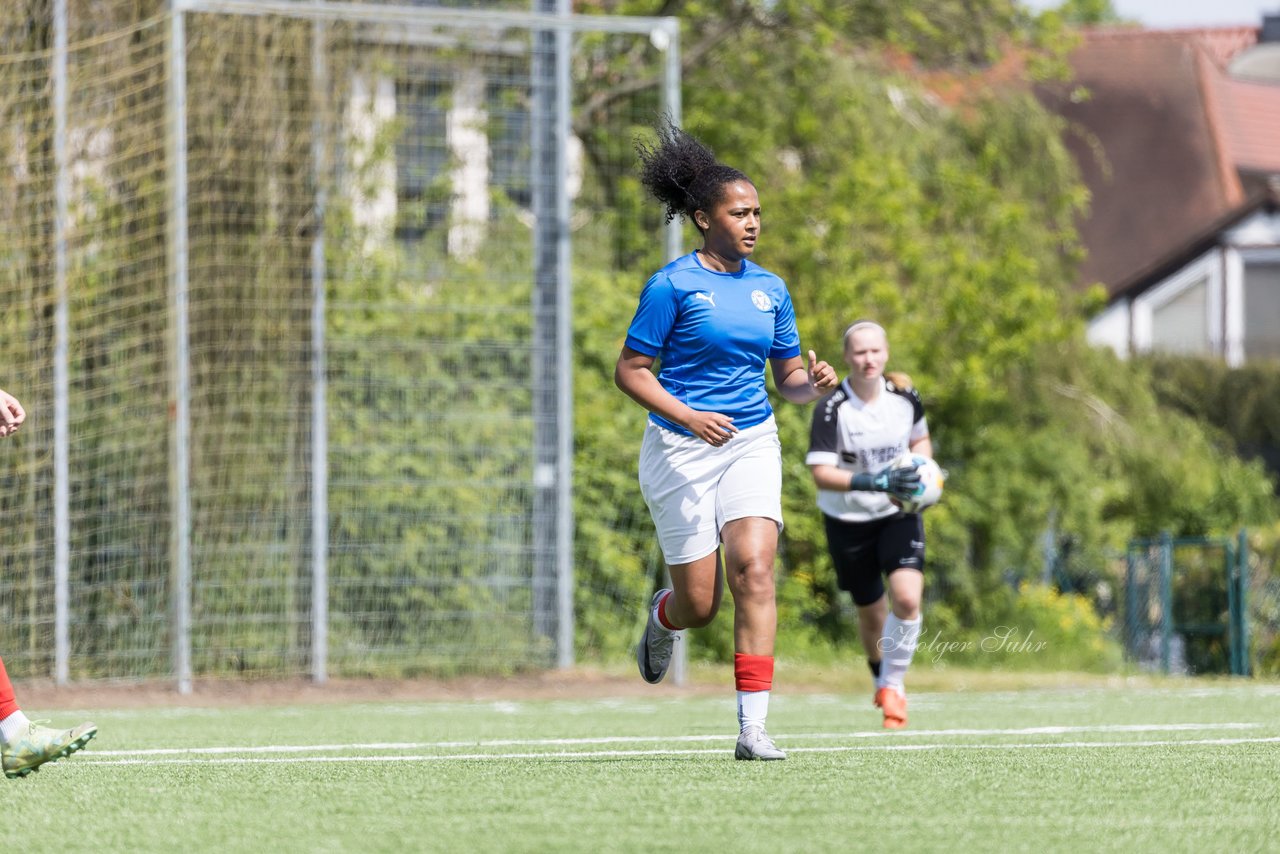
x,y
907,608
906,592
753,581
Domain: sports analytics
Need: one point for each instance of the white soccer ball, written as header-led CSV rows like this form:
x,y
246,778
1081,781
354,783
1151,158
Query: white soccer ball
x,y
929,490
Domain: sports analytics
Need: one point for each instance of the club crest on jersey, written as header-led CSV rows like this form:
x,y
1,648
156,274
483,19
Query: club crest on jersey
x,y
761,300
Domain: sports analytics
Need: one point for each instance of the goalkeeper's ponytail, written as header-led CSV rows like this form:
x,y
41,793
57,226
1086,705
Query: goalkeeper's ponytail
x,y
899,379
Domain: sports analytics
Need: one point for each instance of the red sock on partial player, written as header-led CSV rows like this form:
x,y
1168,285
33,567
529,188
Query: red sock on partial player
x,y
753,675
752,672
12,721
8,702
660,613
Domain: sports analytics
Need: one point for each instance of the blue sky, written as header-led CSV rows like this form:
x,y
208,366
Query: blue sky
x,y
1185,13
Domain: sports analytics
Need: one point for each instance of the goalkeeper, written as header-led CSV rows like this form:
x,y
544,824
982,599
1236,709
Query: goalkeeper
x,y
24,745
858,429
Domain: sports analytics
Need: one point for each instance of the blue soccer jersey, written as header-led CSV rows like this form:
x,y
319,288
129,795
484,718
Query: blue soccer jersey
x,y
712,333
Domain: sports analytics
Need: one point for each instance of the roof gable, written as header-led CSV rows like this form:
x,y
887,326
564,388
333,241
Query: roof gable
x,y
1162,140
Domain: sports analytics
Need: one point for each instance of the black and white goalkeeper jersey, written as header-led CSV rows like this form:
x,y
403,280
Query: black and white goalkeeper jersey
x,y
857,437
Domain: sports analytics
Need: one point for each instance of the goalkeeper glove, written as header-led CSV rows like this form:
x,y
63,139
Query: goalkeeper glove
x,y
900,483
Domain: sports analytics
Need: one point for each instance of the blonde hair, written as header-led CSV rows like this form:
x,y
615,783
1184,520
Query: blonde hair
x,y
900,379
859,325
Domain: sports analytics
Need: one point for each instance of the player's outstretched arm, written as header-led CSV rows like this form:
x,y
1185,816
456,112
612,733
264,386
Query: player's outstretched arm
x,y
799,383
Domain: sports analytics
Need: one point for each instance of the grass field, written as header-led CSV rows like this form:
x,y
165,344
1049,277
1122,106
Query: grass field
x,y
1177,766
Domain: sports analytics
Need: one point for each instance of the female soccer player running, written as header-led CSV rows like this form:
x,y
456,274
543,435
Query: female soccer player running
x,y
857,430
710,462
25,746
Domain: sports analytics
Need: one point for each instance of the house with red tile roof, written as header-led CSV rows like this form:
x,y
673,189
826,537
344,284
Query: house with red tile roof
x,y
1177,136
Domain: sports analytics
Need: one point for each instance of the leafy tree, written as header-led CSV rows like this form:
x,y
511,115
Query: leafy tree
x,y
950,220
1089,12
954,226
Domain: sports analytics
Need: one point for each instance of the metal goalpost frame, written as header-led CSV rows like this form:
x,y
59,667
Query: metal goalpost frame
x,y
61,359
553,287
552,306
179,352
319,383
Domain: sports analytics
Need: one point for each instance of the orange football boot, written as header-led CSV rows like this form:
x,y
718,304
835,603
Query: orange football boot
x,y
895,707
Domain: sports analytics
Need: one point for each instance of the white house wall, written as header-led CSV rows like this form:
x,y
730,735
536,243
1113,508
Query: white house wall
x,y
1233,307
1126,325
1111,328
373,186
1260,231
1255,240
469,149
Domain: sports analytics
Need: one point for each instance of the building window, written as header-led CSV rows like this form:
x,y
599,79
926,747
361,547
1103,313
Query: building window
x,y
509,134
422,155
1181,323
1261,311
459,136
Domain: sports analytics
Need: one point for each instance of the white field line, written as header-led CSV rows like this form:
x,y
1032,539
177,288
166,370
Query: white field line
x,y
136,756
640,754
665,739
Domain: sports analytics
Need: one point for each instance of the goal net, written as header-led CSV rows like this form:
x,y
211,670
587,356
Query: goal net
x,y
276,298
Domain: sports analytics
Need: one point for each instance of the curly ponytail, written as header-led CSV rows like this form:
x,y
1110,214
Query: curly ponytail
x,y
682,173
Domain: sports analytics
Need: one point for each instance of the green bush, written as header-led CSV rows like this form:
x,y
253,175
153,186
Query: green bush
x,y
1032,628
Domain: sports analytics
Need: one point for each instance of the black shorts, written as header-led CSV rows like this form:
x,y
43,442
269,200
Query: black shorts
x,y
863,552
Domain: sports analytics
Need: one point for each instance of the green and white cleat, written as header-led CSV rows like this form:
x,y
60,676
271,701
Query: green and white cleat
x,y
40,744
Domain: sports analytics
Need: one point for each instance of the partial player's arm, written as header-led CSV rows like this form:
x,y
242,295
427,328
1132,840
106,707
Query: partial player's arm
x,y
801,384
11,414
634,375
830,478
898,483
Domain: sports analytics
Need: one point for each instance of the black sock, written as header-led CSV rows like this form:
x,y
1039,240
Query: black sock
x,y
875,668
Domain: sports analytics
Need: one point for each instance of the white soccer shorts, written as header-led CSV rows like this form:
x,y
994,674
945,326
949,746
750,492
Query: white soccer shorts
x,y
693,488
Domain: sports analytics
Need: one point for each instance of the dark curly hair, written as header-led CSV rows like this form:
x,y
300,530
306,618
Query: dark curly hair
x,y
682,173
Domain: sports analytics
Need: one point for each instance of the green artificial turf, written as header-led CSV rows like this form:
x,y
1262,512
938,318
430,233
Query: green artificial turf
x,y
1182,767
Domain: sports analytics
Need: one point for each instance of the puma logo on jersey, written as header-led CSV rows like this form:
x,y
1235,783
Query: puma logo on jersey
x,y
711,298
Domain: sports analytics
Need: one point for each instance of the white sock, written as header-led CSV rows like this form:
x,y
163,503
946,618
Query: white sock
x,y
897,645
753,708
13,726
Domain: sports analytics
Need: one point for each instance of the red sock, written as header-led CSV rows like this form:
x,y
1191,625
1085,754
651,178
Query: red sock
x,y
662,613
8,703
753,672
